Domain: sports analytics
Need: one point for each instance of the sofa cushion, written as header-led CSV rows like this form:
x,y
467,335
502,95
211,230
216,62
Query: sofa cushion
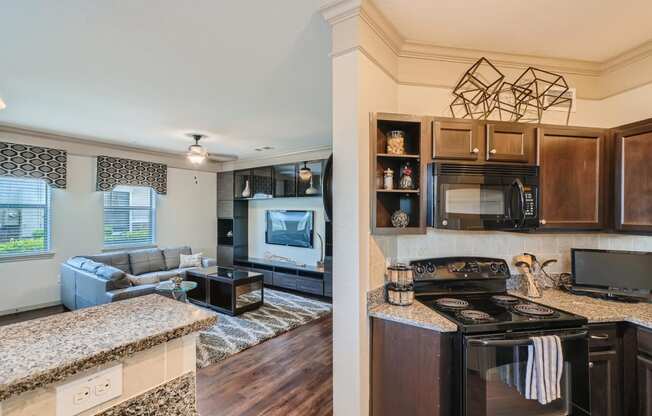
x,y
119,260
91,266
144,279
192,260
130,292
77,262
117,279
145,261
172,256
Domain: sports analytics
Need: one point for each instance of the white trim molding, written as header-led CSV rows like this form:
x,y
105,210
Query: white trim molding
x,y
412,61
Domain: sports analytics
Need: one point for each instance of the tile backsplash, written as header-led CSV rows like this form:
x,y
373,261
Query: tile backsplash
x,y
442,243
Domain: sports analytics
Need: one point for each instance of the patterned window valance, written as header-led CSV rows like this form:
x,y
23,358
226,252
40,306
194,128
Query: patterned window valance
x,y
113,171
24,161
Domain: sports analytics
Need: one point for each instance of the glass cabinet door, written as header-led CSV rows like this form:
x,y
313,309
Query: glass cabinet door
x,y
261,183
242,184
309,178
285,181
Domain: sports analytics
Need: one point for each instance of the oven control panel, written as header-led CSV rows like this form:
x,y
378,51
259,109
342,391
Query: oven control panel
x,y
450,268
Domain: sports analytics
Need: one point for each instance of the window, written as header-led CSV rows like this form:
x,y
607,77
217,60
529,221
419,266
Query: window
x,y
129,216
24,216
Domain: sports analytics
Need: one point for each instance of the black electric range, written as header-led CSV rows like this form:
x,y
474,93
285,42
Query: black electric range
x,y
494,333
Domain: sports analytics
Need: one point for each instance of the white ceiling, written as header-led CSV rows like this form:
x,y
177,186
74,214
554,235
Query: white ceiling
x,y
591,30
248,73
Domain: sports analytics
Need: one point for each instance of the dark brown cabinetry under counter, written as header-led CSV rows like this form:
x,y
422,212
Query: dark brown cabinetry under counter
x,y
605,363
510,142
644,372
411,370
633,179
572,178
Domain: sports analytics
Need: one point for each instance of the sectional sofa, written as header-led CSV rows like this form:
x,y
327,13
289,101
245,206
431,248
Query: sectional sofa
x,y
110,277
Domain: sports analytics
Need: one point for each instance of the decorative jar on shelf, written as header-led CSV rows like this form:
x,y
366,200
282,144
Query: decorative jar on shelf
x,y
407,177
396,142
388,182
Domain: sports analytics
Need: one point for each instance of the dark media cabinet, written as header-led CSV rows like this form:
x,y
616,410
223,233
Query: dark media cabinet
x,y
267,182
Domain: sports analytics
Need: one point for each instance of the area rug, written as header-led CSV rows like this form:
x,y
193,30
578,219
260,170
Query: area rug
x,y
280,313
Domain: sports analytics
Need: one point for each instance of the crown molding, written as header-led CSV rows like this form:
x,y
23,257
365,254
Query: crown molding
x,y
315,152
98,145
336,11
627,58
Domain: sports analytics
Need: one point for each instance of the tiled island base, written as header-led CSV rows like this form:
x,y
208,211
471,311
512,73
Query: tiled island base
x,y
158,381
174,398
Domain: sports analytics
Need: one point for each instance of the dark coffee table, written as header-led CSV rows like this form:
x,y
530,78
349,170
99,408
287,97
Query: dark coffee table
x,y
226,290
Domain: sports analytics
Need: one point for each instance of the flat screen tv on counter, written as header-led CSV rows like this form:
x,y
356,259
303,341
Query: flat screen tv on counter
x,y
612,269
290,228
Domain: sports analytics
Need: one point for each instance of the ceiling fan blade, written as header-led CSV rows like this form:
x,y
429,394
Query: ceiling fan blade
x,y
222,157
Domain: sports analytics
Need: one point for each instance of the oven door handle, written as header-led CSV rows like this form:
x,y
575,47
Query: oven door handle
x,y
517,342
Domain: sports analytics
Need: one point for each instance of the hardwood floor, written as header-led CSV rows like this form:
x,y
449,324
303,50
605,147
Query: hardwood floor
x,y
27,315
291,374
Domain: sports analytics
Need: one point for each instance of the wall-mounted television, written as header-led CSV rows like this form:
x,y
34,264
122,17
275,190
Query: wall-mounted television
x,y
290,228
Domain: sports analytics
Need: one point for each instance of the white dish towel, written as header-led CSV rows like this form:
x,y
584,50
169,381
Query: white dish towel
x,y
545,365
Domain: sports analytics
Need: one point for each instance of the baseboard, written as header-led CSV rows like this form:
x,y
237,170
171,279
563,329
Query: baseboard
x,y
29,308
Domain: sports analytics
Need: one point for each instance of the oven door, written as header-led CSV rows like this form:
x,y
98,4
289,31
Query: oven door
x,y
493,376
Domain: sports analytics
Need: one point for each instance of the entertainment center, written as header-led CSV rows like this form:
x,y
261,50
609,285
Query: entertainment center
x,y
284,227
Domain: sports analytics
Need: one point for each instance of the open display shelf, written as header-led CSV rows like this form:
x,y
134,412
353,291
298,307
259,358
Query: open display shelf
x,y
387,201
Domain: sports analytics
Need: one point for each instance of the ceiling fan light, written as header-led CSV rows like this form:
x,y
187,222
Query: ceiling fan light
x,y
196,153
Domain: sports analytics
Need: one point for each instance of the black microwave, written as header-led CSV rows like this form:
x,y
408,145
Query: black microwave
x,y
483,197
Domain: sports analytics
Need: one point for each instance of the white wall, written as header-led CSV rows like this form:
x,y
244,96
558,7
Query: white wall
x,y
257,226
186,215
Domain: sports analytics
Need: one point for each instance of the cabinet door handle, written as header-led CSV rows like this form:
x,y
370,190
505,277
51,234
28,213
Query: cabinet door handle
x,y
542,222
591,364
599,337
476,150
493,151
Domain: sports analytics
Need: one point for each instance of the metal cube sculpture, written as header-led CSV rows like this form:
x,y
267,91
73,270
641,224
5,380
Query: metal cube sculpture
x,y
482,93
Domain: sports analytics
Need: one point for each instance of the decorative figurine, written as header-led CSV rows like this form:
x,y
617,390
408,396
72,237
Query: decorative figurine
x,y
400,219
407,179
388,179
246,193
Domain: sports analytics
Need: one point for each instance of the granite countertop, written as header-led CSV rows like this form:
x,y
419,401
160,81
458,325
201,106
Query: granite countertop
x,y
42,351
595,310
416,314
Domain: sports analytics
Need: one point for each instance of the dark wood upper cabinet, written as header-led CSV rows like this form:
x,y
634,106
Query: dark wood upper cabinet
x,y
510,142
633,179
456,139
572,177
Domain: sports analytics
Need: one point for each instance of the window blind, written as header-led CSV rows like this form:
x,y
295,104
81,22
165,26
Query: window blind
x,y
129,216
24,216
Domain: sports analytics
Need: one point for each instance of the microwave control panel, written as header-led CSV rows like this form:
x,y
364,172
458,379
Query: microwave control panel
x,y
530,208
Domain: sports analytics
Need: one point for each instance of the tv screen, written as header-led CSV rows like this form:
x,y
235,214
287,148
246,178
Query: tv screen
x,y
612,269
290,228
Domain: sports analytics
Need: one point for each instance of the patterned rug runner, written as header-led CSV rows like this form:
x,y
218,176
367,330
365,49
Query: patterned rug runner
x,y
280,313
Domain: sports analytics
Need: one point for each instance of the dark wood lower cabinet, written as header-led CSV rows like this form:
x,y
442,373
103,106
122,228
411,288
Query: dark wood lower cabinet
x,y
644,366
410,370
605,386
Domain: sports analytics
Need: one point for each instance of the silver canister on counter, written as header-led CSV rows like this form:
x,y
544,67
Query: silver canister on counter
x,y
400,295
400,284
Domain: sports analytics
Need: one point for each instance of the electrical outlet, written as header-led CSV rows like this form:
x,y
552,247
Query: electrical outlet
x,y
89,391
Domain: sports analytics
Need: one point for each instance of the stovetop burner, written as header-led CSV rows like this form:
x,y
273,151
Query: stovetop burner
x,y
505,299
452,303
475,316
533,309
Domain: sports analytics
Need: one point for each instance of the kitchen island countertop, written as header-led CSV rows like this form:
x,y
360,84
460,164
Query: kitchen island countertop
x,y
43,351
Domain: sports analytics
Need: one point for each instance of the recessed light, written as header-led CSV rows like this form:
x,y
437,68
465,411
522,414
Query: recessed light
x,y
262,149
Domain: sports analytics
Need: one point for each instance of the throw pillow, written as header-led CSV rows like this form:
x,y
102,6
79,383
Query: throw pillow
x,y
190,260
